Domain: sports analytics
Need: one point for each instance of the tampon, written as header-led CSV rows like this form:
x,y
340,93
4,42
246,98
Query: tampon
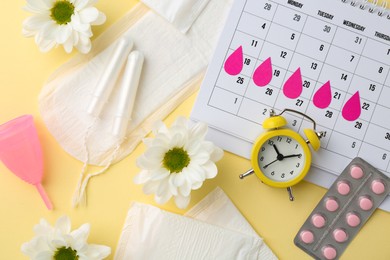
x,y
128,92
108,79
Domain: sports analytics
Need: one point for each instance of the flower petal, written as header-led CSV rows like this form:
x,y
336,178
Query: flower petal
x,y
100,20
88,14
179,179
198,131
43,228
97,252
80,4
150,187
35,23
48,3
37,6
178,140
159,127
163,199
47,45
44,255
63,33
80,236
192,146
200,158
36,245
142,177
50,31
75,37
63,225
59,242
196,185
210,169
217,154
148,141
185,189
84,46
172,186
159,174
163,188
180,121
68,45
46,37
181,201
155,153
161,140
196,173
147,164
78,25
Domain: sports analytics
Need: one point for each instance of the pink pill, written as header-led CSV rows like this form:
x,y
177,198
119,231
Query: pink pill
x,y
307,236
377,187
329,252
318,220
356,172
331,204
365,203
343,188
340,235
353,220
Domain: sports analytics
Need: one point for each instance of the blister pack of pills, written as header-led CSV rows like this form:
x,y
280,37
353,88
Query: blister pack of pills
x,y
343,210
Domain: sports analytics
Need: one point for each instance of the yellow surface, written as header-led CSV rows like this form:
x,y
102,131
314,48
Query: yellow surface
x,y
23,71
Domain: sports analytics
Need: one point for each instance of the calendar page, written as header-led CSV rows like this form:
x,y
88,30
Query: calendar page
x,y
327,59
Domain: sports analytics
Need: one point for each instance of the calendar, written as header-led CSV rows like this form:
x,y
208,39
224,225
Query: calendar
x,y
327,59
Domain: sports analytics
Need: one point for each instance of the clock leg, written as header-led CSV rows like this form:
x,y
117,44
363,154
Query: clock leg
x,y
291,196
247,173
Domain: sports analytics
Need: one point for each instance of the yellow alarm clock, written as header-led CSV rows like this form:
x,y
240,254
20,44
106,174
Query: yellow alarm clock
x,y
281,157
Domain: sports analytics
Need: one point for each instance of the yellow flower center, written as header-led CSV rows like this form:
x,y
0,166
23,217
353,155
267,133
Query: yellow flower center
x,y
176,159
62,11
65,253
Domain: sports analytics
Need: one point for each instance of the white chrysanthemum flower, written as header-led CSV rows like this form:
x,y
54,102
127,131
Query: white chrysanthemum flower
x,y
59,242
177,160
62,22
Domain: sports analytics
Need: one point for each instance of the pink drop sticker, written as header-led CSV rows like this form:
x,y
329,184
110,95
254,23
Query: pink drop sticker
x,y
234,63
263,74
352,109
323,96
293,86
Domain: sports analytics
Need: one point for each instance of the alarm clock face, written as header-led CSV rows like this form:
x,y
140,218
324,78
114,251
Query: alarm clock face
x,y
281,158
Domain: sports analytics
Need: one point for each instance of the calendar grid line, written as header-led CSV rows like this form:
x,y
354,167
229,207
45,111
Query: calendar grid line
x,y
377,104
349,85
284,79
317,81
257,58
364,134
315,59
219,73
323,20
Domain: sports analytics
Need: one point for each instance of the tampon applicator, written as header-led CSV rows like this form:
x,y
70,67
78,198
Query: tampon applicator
x,y
128,92
109,76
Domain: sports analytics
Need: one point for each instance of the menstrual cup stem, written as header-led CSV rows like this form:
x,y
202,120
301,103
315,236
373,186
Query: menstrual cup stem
x,y
44,196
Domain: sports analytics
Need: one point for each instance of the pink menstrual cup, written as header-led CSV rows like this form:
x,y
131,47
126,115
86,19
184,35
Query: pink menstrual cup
x,y
21,152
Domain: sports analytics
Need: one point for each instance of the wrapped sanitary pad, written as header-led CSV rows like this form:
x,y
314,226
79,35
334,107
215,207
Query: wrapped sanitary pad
x,y
204,233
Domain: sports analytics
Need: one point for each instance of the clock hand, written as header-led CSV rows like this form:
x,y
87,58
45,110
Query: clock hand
x,y
265,166
276,149
281,157
292,155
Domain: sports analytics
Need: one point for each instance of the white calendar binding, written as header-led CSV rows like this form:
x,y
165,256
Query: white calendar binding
x,y
328,60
